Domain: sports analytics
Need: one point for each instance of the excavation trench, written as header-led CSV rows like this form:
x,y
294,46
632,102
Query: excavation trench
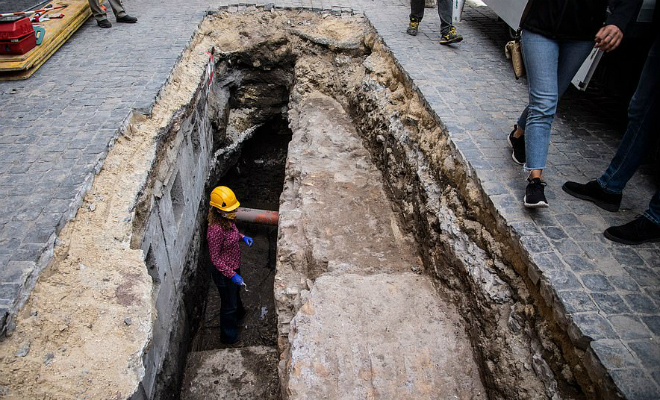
x,y
385,269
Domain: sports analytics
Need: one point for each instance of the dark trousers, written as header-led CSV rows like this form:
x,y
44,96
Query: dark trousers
x,y
231,307
640,134
444,11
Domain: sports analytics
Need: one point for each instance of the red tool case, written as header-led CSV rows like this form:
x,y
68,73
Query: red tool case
x,y
16,35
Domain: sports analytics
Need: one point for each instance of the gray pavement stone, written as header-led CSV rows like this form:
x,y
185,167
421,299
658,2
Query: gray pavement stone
x,y
635,384
613,354
629,327
588,327
610,303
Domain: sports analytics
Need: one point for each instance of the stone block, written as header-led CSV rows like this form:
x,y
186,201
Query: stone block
x,y
9,292
554,232
16,271
648,352
644,276
576,301
624,282
613,354
629,327
653,323
641,304
357,346
579,263
596,283
610,303
635,383
587,327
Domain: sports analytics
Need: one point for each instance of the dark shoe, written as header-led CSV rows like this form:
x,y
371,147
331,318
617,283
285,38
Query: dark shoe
x,y
534,194
127,19
413,27
518,146
591,191
104,23
638,231
450,37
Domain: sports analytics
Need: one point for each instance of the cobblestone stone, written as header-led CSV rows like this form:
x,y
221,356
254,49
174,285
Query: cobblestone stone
x,y
57,127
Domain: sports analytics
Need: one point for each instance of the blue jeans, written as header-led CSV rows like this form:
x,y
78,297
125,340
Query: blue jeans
x,y
444,11
550,65
231,307
642,113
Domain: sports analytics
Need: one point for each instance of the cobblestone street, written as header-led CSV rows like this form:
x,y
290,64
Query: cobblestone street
x,y
57,128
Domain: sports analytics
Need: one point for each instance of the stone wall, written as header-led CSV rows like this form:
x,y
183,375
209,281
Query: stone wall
x,y
172,216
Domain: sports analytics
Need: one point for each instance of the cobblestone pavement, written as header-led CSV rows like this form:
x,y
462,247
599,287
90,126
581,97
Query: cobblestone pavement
x,y
56,128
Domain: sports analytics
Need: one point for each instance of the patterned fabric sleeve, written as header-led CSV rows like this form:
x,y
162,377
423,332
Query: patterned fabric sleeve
x,y
215,237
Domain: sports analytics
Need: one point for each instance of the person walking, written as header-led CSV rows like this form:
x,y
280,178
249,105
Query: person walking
x,y
557,36
102,17
223,238
643,117
448,32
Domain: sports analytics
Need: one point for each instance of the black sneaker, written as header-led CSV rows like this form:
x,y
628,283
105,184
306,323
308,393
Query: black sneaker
x,y
450,37
104,23
534,194
413,27
638,231
591,191
127,19
518,146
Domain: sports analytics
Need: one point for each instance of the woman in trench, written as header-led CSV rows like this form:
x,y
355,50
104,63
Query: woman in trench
x,y
223,238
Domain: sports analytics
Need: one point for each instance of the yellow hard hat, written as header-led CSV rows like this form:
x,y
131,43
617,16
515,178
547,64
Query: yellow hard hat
x,y
224,199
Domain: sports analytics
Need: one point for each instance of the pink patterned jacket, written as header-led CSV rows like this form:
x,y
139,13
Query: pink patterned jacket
x,y
224,249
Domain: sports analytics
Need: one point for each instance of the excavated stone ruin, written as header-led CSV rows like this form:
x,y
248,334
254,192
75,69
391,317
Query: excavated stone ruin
x,y
389,266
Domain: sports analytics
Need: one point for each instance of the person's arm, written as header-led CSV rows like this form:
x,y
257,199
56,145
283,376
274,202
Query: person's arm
x,y
622,12
215,237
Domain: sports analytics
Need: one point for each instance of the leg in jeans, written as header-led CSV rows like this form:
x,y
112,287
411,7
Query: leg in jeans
x,y
643,109
445,13
563,82
416,10
229,308
547,61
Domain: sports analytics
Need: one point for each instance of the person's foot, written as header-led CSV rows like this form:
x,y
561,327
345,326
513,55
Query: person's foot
x,y
450,37
104,23
535,194
638,231
591,191
413,27
127,19
518,146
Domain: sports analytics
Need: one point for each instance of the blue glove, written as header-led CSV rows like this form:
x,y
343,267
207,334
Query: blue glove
x,y
248,240
237,280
